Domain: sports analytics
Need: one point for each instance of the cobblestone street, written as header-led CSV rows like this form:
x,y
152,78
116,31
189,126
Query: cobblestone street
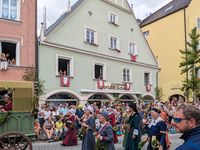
x,y
174,138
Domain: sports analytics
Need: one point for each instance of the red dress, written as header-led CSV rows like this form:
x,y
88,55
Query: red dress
x,y
112,122
70,138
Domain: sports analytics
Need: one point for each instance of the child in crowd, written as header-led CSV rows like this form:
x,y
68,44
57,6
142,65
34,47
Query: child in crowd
x,y
59,128
37,129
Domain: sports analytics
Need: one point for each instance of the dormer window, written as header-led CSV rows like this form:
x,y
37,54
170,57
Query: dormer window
x,y
168,8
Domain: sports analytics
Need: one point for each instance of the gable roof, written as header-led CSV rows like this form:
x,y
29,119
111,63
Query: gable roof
x,y
62,18
171,7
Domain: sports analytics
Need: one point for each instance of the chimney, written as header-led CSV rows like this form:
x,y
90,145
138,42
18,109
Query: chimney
x,y
132,7
42,37
69,6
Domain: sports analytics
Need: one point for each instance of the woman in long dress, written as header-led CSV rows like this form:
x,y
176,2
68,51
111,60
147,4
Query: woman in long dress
x,y
70,138
88,138
133,137
157,130
126,127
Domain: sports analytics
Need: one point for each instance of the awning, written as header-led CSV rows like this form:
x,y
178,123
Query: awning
x,y
101,91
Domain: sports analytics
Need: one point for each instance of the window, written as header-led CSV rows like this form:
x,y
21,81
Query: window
x,y
168,8
133,48
198,73
11,52
10,9
146,33
147,77
90,36
64,65
99,70
114,42
198,46
126,75
113,18
198,23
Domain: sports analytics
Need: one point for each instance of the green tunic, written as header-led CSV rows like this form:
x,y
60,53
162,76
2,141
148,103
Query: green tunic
x,y
126,131
135,124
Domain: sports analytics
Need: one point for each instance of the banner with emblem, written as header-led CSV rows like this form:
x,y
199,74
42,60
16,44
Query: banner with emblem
x,y
148,87
100,84
65,81
127,86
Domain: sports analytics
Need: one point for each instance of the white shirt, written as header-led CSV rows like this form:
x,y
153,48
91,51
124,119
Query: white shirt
x,y
47,114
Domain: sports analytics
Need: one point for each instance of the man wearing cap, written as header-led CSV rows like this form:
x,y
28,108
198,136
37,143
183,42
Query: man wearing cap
x,y
79,114
105,133
64,109
111,117
146,110
8,106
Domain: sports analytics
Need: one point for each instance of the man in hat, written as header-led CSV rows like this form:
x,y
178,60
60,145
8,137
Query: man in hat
x,y
146,110
79,114
8,101
64,109
105,133
111,117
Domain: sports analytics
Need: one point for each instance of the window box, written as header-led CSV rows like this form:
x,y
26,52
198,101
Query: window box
x,y
113,23
91,43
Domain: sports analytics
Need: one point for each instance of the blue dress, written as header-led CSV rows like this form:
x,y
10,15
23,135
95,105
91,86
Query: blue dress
x,y
159,130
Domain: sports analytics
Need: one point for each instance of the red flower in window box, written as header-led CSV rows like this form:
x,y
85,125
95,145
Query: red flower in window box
x,y
114,23
93,44
117,50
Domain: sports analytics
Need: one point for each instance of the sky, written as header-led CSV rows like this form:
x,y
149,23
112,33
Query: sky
x,y
142,9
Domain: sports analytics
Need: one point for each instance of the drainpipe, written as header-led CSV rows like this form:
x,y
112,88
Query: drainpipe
x,y
157,79
36,40
186,48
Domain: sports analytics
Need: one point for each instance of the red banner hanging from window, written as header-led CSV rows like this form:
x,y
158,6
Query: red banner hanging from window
x,y
100,84
127,86
65,81
133,57
148,87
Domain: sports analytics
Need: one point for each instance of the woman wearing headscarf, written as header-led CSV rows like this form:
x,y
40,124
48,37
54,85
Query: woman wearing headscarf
x,y
111,117
88,138
70,138
8,101
133,137
157,130
105,133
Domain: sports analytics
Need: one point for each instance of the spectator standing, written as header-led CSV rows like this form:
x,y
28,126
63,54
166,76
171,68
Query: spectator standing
x,y
51,104
40,114
55,114
187,121
85,108
170,113
79,116
64,110
47,113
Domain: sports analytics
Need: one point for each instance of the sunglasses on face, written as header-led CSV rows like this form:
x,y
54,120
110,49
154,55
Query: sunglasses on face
x,y
178,120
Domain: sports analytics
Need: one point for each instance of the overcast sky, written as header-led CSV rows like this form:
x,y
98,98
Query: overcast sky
x,y
142,8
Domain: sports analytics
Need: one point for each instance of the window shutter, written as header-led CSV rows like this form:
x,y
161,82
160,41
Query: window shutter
x,y
135,49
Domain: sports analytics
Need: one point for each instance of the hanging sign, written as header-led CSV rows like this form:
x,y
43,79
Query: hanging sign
x,y
127,86
100,84
148,87
65,81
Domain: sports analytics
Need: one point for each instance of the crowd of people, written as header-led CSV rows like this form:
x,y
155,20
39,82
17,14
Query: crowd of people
x,y
107,122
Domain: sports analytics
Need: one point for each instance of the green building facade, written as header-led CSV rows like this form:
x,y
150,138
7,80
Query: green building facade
x,y
94,39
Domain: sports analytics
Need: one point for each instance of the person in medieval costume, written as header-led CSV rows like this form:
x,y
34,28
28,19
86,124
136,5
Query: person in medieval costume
x,y
157,130
70,138
133,137
111,117
88,138
7,100
105,133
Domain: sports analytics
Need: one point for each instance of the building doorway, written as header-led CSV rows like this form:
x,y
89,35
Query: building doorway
x,y
99,99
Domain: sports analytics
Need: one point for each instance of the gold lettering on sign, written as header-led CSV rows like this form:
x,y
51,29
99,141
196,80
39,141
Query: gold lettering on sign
x,y
115,86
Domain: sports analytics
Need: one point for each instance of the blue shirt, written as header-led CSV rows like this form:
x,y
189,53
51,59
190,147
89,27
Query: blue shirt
x,y
79,113
64,110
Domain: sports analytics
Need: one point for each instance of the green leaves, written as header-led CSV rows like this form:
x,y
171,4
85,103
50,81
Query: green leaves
x,y
4,117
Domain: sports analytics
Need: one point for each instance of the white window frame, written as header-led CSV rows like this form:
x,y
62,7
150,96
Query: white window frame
x,y
198,23
115,37
114,14
18,10
17,59
71,59
198,46
150,77
95,34
104,69
130,42
130,74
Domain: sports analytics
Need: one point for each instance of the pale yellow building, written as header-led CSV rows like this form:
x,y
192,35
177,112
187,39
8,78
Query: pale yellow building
x,y
166,31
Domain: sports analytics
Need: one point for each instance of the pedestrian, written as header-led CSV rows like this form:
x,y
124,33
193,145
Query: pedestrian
x,y
79,118
126,127
70,138
187,121
156,130
105,134
133,137
88,139
111,117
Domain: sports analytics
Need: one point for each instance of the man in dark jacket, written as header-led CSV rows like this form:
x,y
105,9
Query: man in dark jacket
x,y
187,121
